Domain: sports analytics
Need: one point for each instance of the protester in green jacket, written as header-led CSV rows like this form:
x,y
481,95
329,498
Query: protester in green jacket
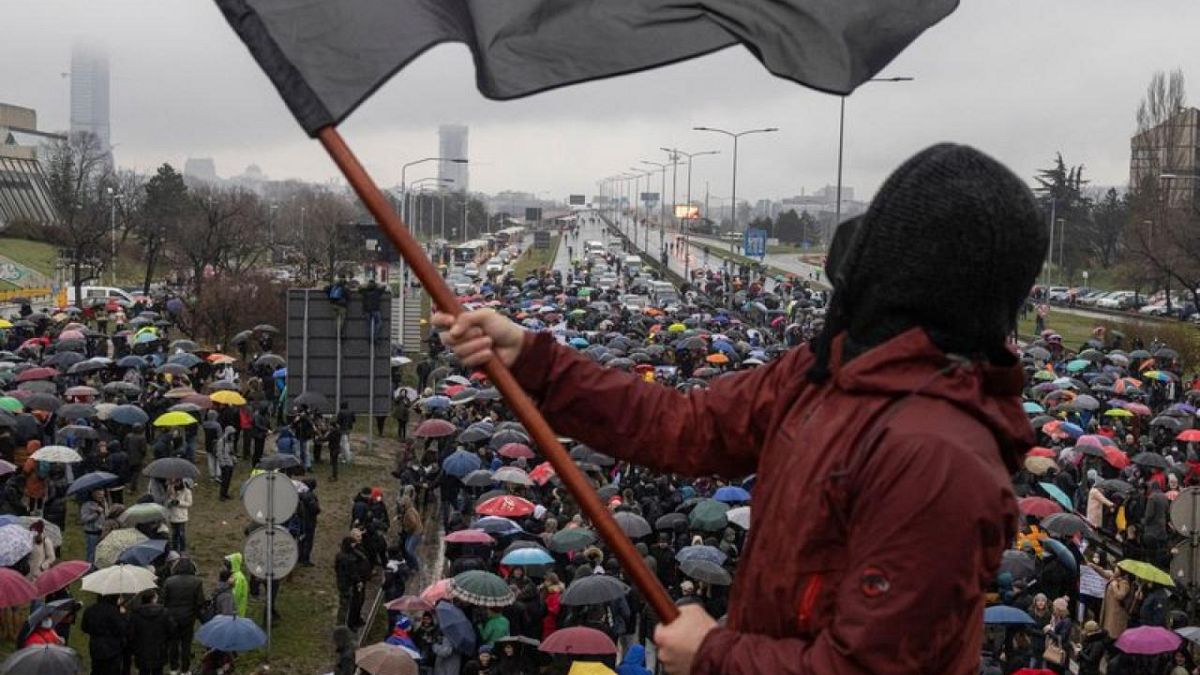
x,y
494,628
241,587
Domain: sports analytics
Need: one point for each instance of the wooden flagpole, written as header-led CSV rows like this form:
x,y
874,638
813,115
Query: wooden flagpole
x,y
589,502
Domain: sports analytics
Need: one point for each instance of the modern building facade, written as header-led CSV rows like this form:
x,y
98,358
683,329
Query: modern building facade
x,y
89,92
1167,157
24,194
452,144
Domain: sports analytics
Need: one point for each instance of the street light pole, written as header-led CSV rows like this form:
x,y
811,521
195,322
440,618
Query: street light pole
x,y
404,172
113,196
684,228
837,217
662,217
422,182
735,136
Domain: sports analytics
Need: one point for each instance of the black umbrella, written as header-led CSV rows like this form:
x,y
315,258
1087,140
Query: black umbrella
x,y
474,434
315,400
1090,451
706,571
78,431
633,525
171,468
56,610
1018,564
122,388
45,402
506,436
1117,486
92,481
129,415
270,361
265,328
478,478
38,386
82,367
1175,424
42,660
671,521
1165,353
279,462
1064,524
64,360
1152,460
597,589
132,362
75,411
242,337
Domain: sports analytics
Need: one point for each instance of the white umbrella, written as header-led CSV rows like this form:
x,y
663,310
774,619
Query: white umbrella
x,y
16,541
57,453
739,516
512,474
119,580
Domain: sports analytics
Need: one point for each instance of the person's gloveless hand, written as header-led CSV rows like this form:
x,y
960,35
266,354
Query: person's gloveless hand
x,y
679,641
476,337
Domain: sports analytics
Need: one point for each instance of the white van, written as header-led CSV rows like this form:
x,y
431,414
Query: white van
x,y
92,293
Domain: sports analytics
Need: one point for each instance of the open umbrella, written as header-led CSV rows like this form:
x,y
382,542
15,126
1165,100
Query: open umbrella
x,y
1148,640
119,580
16,541
58,577
115,543
706,571
138,514
144,554
739,516
174,419
409,603
1064,524
56,454
527,556
1152,460
572,539
1018,563
481,588
385,659
88,482
1003,615
498,526
279,461
228,398
508,506
434,428
701,552
477,478
732,494
633,525
578,640
596,589
461,462
455,625
15,589
42,659
231,634
671,521
171,468
708,516
516,451
1061,552
512,475
1056,494
1146,571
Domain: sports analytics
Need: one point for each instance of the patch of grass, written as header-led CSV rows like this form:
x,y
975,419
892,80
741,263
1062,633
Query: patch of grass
x,y
307,599
792,248
36,255
535,258
1074,329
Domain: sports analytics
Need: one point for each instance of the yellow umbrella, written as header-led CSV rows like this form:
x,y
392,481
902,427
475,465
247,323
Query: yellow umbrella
x,y
1118,412
590,668
5,323
227,397
175,418
1144,570
676,328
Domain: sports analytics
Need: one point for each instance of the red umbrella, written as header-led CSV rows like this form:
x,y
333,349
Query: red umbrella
x,y
454,389
469,537
15,589
434,429
409,603
507,506
60,576
37,374
542,473
578,640
1115,457
1038,506
1039,451
1189,436
436,591
1138,408
516,451
1094,440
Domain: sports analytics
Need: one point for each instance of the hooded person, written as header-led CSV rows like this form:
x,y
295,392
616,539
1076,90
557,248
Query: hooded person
x,y
927,288
634,662
241,587
400,636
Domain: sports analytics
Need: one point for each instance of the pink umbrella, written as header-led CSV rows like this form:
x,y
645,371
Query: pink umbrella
x,y
15,589
60,576
1138,408
469,537
516,451
70,335
75,392
1148,640
1094,440
409,603
36,374
578,640
436,592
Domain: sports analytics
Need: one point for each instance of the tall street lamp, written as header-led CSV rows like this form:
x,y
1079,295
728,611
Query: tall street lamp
x,y
113,198
642,173
837,218
662,202
404,171
735,135
422,181
685,228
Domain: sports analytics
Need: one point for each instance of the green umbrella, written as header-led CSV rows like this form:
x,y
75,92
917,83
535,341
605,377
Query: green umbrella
x,y
578,312
1078,365
1044,376
1144,570
708,516
573,539
115,543
481,588
584,292
142,513
11,404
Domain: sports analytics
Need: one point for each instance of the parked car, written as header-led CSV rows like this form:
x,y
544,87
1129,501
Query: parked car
x,y
1120,300
1056,294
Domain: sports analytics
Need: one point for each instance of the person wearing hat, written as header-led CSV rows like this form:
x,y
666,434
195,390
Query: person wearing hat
x,y
910,395
1091,652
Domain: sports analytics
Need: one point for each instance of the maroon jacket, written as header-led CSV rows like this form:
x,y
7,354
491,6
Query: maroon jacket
x,y
865,556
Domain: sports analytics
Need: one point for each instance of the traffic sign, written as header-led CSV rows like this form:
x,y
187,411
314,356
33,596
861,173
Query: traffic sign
x,y
754,243
1185,512
265,487
271,552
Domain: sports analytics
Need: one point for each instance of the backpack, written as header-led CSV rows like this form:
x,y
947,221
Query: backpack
x,y
209,609
337,292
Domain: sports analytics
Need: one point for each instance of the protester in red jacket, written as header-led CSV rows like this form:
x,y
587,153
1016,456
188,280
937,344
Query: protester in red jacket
x,y
883,451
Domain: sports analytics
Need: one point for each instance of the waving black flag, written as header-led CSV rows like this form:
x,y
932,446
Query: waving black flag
x,y
327,56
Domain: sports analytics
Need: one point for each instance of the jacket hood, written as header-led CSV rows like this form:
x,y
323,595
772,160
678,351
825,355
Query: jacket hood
x,y
911,362
636,656
235,561
184,566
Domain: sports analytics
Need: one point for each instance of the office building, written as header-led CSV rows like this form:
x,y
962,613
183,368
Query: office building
x,y
24,193
89,92
1167,157
452,144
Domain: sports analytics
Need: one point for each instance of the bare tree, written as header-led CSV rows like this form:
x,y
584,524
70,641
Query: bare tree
x,y
319,225
79,174
224,230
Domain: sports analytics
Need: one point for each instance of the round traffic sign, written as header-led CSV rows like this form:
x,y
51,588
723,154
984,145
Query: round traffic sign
x,y
258,548
267,488
1185,511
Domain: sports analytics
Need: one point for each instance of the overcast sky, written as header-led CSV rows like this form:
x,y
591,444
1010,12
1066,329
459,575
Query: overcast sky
x,y
1020,79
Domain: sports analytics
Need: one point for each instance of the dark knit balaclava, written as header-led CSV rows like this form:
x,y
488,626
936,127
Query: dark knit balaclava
x,y
951,243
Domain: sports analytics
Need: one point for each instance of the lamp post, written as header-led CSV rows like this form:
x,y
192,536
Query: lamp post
x,y
735,136
113,198
662,201
404,171
684,228
422,181
642,173
837,218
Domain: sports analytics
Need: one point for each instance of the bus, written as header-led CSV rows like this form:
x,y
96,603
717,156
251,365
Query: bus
x,y
472,251
510,235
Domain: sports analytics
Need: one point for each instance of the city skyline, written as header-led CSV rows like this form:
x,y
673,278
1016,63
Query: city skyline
x,y
89,75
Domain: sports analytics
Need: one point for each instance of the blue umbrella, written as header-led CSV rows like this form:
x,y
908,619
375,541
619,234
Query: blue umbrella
x,y
578,343
128,414
527,556
710,553
1062,553
131,362
497,525
186,360
1073,430
1057,495
435,403
456,627
1032,408
1003,615
144,553
231,634
731,494
461,463
91,481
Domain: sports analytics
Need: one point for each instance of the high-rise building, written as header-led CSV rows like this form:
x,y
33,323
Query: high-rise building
x,y
89,91
452,144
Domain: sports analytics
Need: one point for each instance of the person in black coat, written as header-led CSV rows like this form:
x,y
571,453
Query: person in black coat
x,y
1091,652
353,568
183,598
150,629
105,625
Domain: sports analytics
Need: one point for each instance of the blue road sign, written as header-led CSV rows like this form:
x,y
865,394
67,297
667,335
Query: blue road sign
x,y
754,244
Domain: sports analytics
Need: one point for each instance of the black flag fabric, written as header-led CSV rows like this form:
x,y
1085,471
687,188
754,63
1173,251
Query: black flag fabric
x,y
327,56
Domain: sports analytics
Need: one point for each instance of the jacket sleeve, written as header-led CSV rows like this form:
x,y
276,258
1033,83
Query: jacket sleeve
x,y
716,430
921,538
